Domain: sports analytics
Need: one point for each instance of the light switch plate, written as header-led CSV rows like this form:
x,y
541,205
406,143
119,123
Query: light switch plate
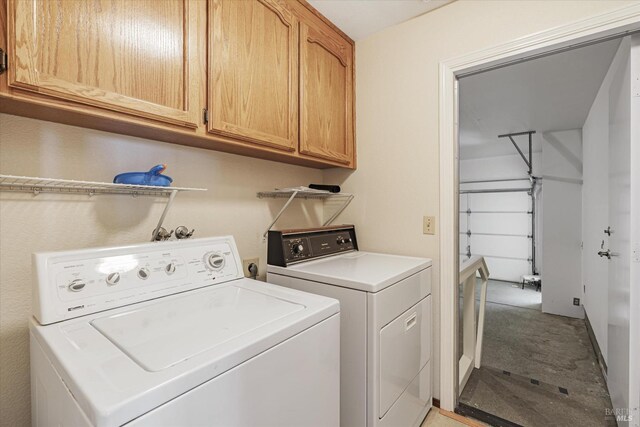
x,y
429,225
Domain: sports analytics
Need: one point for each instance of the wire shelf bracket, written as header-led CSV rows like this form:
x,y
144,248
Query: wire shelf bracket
x,y
34,185
292,194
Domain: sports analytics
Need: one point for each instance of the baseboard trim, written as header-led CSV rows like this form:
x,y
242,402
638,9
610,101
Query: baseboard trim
x,y
483,416
596,347
460,418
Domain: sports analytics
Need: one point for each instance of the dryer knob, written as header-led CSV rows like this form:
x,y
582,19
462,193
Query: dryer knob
x,y
170,268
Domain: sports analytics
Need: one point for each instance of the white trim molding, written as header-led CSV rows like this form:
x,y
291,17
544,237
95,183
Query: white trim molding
x,y
616,22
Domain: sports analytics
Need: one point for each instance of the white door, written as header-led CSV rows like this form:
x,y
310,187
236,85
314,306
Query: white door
x,y
623,205
634,357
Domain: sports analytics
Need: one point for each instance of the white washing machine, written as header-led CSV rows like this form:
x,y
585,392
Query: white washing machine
x,y
385,304
172,334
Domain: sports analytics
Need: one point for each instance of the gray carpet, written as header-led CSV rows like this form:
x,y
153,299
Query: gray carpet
x,y
537,369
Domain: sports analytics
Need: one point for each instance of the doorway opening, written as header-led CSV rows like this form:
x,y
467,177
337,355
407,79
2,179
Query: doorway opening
x,y
541,177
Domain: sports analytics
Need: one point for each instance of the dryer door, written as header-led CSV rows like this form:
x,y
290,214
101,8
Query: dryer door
x,y
405,348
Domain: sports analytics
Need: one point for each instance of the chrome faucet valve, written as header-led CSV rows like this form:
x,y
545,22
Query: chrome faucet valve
x,y
183,232
162,234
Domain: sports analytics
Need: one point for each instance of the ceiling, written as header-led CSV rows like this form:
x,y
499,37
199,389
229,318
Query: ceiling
x,y
545,94
361,18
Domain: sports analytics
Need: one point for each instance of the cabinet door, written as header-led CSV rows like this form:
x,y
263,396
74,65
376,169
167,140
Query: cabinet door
x,y
130,56
252,72
326,94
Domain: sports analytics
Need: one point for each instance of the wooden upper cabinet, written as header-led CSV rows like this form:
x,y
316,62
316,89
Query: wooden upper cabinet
x,y
275,76
326,94
129,56
253,74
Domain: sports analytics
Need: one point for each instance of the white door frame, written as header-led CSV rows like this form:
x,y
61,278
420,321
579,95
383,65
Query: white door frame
x,y
603,25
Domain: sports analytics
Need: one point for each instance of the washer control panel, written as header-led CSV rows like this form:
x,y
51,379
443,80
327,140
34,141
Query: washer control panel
x,y
75,283
292,246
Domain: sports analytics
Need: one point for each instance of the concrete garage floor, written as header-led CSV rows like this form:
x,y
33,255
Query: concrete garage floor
x,y
537,369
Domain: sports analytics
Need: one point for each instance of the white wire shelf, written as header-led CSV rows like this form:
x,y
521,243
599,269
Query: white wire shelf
x,y
301,194
37,185
305,193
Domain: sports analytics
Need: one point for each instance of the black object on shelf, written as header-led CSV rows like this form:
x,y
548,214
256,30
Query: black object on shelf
x,y
330,188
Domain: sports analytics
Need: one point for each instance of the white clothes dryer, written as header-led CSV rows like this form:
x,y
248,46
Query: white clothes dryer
x,y
386,320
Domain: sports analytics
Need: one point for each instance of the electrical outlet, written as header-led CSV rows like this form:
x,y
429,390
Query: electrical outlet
x,y
576,301
246,263
429,225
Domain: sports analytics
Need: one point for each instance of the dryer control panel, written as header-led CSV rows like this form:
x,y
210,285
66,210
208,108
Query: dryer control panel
x,y
74,283
286,247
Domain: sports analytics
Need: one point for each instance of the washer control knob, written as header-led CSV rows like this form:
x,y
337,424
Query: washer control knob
x,y
143,273
76,285
297,248
342,241
170,268
215,261
113,278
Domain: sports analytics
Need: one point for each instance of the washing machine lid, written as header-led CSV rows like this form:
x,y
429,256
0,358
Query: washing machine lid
x,y
122,363
365,271
164,334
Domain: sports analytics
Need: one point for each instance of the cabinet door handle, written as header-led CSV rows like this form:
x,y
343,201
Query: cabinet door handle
x,y
3,61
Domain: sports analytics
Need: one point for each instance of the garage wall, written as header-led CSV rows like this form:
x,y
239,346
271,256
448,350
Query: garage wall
x,y
595,204
561,170
397,181
558,221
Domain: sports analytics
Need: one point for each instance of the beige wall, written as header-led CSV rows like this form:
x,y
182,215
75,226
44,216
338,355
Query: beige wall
x,y
397,115
52,222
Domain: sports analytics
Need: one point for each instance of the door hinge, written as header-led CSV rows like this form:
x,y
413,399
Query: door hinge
x,y
4,61
205,115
